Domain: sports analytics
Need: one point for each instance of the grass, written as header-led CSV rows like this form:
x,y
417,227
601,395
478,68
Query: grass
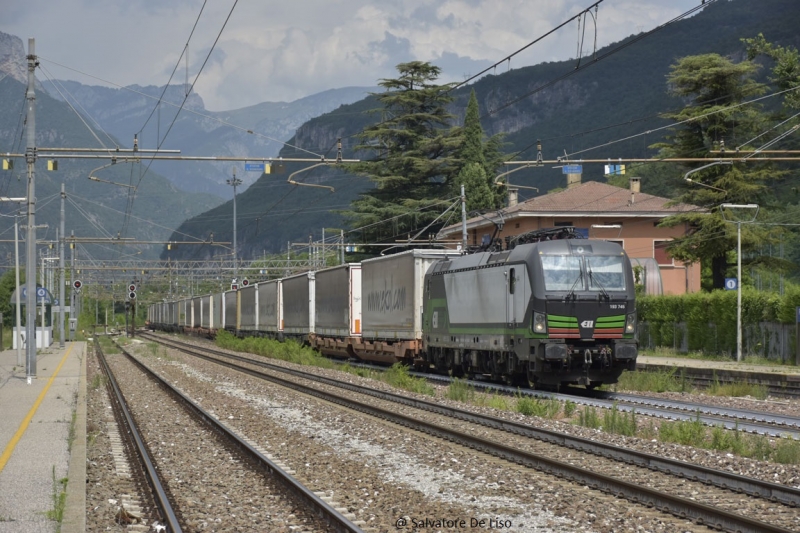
x,y
738,389
460,391
541,407
667,380
59,498
294,352
397,375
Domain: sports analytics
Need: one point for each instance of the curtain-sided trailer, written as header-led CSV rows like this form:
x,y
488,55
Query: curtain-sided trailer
x,y
298,305
270,308
337,310
392,289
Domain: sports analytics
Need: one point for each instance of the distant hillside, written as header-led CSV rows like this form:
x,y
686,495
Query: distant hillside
x,y
93,209
260,129
612,99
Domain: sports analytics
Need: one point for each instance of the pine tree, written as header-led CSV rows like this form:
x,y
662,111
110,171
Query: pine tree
x,y
482,194
713,121
411,156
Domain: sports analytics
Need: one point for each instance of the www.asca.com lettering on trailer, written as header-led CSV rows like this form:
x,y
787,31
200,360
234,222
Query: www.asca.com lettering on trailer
x,y
387,300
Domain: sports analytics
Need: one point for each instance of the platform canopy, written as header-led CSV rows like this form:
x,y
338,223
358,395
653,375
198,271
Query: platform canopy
x,y
43,296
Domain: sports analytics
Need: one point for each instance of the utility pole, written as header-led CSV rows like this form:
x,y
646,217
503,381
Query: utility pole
x,y
463,220
235,181
72,285
61,295
18,329
30,266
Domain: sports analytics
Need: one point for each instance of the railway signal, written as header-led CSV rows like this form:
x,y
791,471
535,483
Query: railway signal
x,y
245,282
77,284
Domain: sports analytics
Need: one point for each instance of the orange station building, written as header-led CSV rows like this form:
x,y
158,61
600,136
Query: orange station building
x,y
601,211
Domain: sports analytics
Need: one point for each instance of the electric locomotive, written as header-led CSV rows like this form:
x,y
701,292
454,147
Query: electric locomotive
x,y
552,312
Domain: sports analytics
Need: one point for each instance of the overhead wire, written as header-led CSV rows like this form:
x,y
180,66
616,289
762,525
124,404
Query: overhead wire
x,y
597,59
508,57
185,51
66,100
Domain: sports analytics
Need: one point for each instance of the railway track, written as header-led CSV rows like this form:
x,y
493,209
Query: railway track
x,y
756,422
710,497
177,455
144,476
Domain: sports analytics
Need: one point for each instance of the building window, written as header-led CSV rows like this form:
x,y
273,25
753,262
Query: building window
x,y
660,253
563,224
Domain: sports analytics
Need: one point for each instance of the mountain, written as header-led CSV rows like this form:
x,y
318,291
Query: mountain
x,y
94,209
256,131
606,100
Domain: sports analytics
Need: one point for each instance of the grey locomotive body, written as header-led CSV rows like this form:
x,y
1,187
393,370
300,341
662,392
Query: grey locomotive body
x,y
552,312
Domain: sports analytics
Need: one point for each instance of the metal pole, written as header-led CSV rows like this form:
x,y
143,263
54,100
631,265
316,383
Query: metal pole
x,y
43,286
30,266
234,181
463,219
341,237
18,331
739,291
72,284
61,295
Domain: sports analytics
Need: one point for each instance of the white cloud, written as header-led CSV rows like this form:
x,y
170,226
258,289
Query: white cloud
x,y
272,51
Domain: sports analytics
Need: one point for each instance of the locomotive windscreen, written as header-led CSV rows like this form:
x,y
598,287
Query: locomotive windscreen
x,y
561,272
575,273
605,272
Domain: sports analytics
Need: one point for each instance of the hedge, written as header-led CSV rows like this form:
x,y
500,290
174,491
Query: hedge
x,y
705,311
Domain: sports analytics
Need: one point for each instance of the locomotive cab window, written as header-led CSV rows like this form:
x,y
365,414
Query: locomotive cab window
x,y
605,272
562,272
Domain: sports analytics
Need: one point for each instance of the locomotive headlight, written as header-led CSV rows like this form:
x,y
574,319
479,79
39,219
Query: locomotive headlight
x,y
539,322
630,323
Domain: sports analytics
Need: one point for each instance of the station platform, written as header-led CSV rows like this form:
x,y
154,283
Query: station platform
x,y
35,449
778,378
721,365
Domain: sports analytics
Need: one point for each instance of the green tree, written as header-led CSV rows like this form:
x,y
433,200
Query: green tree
x,y
482,194
476,186
785,72
7,284
714,85
414,156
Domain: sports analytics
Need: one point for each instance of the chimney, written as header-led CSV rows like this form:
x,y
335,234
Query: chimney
x,y
573,180
636,185
513,196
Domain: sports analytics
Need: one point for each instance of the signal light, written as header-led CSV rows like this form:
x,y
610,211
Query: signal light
x,y
132,295
77,284
245,283
131,287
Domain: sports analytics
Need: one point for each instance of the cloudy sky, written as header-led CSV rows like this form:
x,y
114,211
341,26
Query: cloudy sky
x,y
282,51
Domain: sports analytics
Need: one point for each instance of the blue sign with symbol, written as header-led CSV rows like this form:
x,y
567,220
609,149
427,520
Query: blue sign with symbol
x,y
254,167
731,284
572,169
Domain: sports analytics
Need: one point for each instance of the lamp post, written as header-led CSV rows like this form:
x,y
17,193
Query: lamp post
x,y
234,181
739,269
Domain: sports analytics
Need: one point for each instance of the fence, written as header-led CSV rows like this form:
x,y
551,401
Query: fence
x,y
767,339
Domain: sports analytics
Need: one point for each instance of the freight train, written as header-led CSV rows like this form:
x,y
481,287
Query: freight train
x,y
548,313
